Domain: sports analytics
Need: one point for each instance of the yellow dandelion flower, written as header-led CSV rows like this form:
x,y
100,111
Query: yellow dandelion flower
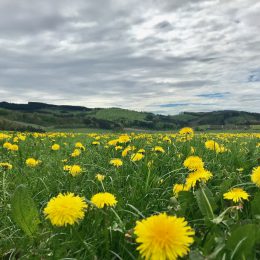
x,y
198,176
55,147
163,237
66,167
125,151
79,145
31,162
103,199
6,165
96,143
193,163
186,131
100,177
158,149
76,153
178,188
212,145
14,147
116,162
255,177
123,139
7,145
236,194
65,209
137,157
75,170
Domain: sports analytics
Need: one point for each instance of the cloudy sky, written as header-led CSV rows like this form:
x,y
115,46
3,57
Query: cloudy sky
x,y
164,56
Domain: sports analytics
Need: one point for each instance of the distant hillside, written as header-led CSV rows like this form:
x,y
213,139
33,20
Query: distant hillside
x,y
36,116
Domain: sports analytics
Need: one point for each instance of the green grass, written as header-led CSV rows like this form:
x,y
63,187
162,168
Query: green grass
x,y
140,191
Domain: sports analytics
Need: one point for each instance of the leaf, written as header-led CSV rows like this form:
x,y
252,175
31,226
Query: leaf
x,y
242,241
206,202
255,205
24,211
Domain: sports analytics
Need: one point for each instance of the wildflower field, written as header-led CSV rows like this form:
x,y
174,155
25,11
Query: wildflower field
x,y
156,196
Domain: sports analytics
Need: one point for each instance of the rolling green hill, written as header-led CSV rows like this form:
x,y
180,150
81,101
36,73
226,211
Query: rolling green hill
x,y
36,116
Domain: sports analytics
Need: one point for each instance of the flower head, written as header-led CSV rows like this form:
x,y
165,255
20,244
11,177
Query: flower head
x,y
193,163
76,152
65,209
100,177
163,237
255,177
198,176
137,157
186,131
6,165
116,162
31,162
179,187
75,170
55,147
103,199
236,194
158,149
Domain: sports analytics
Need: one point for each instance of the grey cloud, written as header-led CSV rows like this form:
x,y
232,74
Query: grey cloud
x,y
131,53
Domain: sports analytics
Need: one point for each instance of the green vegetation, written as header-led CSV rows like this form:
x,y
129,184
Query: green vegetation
x,y
44,117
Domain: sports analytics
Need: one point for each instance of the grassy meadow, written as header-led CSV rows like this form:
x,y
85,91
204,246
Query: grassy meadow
x,y
181,195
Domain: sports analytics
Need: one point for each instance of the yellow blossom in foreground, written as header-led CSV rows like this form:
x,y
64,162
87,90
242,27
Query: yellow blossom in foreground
x,y
193,163
6,165
55,147
75,170
236,194
137,157
255,177
178,188
100,177
103,199
65,209
116,162
163,237
31,162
